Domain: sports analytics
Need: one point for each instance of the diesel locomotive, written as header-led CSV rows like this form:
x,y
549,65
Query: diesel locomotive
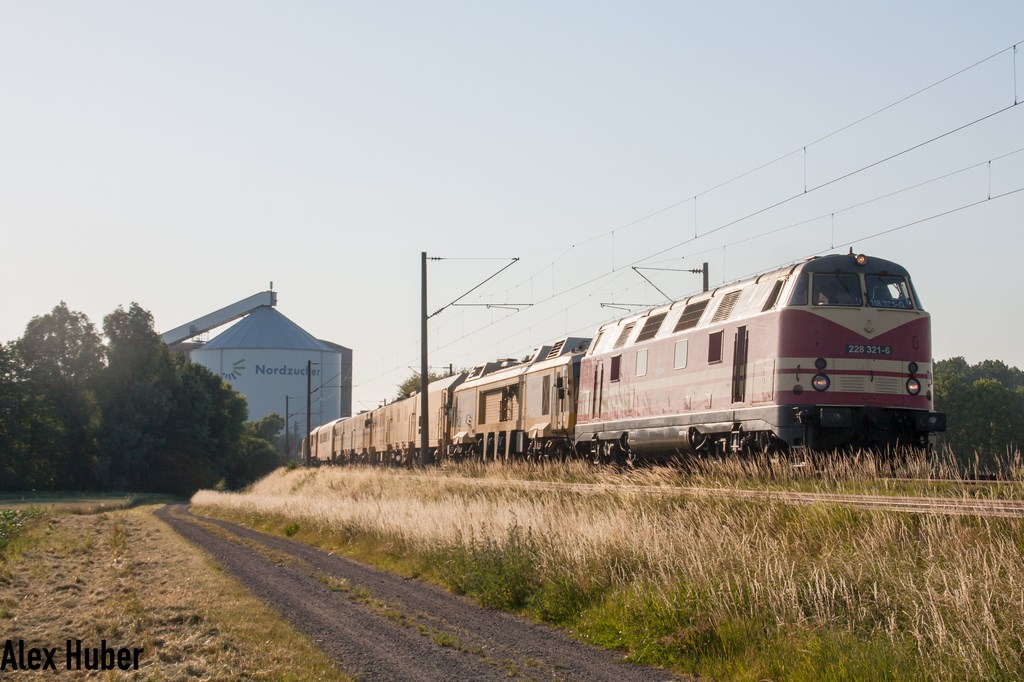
x,y
829,353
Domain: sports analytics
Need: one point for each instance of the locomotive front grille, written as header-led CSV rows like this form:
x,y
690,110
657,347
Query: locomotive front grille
x,y
850,384
887,385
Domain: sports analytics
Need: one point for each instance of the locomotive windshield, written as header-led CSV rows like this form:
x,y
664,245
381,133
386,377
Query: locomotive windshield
x,y
799,295
836,289
845,289
888,291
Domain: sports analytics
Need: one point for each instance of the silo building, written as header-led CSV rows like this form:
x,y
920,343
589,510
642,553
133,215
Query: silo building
x,y
265,357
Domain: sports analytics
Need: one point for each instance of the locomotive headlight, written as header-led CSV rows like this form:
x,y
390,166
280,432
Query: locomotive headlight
x,y
912,368
821,382
820,364
860,258
913,386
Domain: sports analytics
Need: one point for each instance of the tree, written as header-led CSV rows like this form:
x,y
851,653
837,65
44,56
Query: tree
x,y
75,414
257,453
268,427
136,393
15,410
60,356
984,404
412,383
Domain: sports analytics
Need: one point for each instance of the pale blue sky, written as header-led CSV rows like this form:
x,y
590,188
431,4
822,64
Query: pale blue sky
x,y
182,155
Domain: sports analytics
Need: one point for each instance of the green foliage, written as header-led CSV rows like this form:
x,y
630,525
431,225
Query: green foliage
x,y
677,632
75,414
253,459
984,404
498,575
268,427
12,522
49,403
136,400
561,599
412,383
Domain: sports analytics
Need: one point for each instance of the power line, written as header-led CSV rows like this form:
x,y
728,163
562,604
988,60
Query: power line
x,y
803,149
868,237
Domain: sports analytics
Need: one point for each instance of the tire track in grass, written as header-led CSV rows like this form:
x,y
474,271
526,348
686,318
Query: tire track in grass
x,y
381,626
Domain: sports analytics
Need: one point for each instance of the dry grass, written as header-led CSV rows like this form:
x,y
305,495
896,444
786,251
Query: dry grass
x,y
126,577
691,581
75,503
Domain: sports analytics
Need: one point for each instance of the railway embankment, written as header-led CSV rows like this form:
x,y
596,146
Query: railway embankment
x,y
733,573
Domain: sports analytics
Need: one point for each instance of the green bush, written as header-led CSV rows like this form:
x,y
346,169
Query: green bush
x,y
498,575
12,522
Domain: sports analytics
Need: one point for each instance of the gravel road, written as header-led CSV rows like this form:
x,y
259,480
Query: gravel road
x,y
380,626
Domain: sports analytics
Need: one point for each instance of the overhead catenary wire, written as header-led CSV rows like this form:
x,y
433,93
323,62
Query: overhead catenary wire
x,y
623,269
564,251
814,142
803,149
852,242
473,332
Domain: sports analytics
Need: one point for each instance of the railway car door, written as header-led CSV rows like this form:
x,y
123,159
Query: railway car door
x,y
443,423
598,393
559,395
368,428
739,364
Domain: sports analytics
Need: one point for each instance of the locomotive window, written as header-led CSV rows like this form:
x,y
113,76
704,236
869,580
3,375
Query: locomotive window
x,y
715,347
680,360
773,297
641,362
888,291
836,289
691,315
799,295
545,395
616,366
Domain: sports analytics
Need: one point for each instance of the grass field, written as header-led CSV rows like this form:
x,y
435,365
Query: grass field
x,y
77,503
720,588
125,577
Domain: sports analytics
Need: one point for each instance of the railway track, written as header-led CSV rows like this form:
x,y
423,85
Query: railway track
x,y
917,505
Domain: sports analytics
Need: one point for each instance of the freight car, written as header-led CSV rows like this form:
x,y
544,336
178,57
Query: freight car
x,y
524,410
832,352
388,434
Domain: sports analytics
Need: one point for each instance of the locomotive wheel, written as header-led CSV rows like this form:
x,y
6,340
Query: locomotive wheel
x,y
565,450
697,441
621,456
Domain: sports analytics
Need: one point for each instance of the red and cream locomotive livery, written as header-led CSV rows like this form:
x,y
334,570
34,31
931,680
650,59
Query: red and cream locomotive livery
x,y
832,352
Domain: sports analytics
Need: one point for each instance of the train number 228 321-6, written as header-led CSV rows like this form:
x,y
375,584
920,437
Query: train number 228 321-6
x,y
867,349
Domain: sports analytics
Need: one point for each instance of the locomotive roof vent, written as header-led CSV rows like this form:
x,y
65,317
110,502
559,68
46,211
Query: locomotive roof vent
x,y
556,349
726,306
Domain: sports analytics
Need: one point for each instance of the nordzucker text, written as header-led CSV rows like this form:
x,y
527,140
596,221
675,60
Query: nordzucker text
x,y
74,656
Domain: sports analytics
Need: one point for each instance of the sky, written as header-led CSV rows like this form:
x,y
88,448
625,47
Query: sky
x,y
184,155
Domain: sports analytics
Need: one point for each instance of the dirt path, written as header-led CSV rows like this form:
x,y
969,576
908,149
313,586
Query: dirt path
x,y
380,626
126,578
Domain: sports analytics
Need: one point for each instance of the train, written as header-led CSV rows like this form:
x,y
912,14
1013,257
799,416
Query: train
x,y
829,353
